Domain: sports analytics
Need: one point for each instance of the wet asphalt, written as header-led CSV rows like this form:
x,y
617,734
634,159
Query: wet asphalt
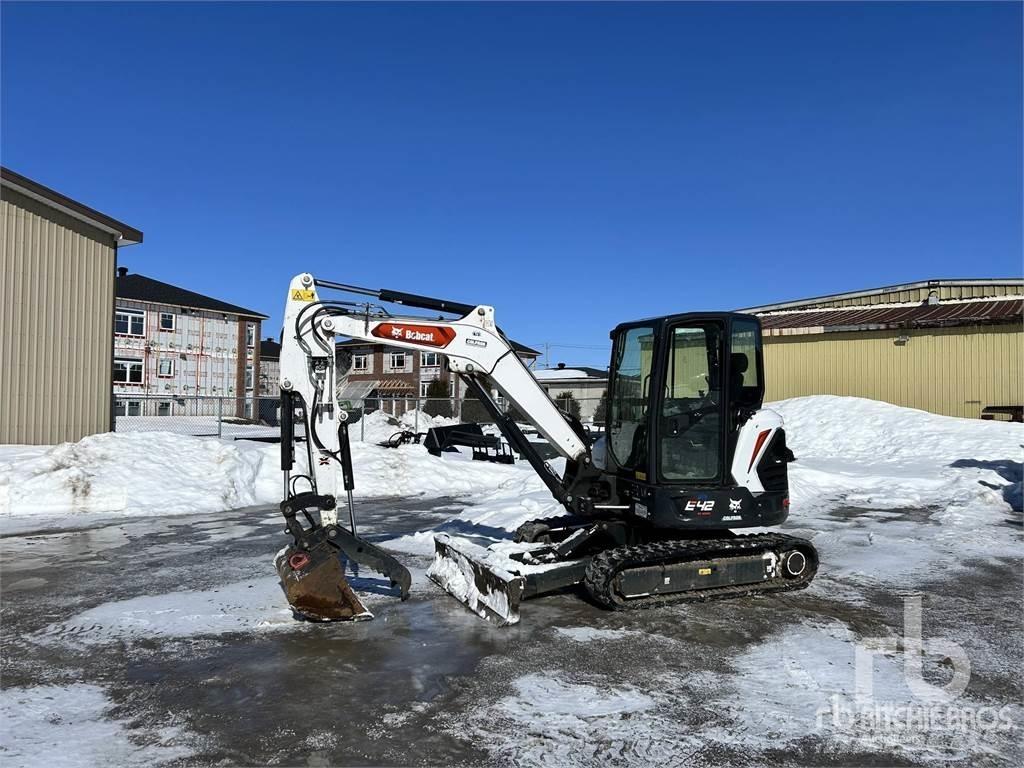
x,y
397,690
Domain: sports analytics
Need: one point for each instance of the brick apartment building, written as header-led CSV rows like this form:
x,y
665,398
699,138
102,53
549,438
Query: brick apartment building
x,y
176,352
396,377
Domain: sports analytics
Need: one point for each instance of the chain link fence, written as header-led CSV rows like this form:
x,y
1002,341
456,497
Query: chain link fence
x,y
259,418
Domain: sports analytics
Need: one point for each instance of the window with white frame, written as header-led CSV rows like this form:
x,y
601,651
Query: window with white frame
x,y
163,409
129,322
248,377
127,408
451,387
397,360
430,359
166,321
424,387
127,371
250,335
359,362
165,367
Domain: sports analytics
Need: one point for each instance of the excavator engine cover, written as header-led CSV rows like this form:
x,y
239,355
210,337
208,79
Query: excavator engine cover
x,y
315,585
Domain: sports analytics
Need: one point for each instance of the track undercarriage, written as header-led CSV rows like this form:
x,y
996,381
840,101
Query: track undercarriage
x,y
621,567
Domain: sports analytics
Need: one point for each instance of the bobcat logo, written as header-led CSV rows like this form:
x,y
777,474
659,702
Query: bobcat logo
x,y
397,332
735,504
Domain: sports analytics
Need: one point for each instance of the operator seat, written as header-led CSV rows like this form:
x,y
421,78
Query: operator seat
x,y
738,364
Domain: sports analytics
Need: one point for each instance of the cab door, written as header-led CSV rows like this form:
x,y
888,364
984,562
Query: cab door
x,y
691,407
629,399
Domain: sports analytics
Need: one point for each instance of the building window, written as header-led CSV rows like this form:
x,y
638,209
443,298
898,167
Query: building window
x,y
128,322
166,321
127,371
359,362
163,409
248,377
127,408
451,387
250,335
398,361
430,359
424,386
165,367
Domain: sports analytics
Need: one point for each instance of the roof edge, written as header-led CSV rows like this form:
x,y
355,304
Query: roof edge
x,y
886,289
124,234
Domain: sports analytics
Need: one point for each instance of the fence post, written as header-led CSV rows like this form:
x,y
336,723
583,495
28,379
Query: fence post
x,y
362,421
220,416
416,415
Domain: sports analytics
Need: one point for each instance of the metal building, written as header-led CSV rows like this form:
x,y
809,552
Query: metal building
x,y
953,347
57,261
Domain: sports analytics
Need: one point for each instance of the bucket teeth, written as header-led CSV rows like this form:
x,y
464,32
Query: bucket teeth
x,y
315,585
466,572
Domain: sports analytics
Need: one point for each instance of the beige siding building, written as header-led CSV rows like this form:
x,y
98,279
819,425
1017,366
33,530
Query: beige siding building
x,y
952,347
57,261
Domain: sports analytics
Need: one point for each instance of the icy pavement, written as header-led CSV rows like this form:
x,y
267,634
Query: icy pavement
x,y
167,641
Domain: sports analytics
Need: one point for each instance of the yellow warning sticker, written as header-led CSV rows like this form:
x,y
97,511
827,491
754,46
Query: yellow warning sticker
x,y
299,294
704,571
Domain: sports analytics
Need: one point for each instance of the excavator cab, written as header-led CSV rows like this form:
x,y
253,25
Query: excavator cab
x,y
681,389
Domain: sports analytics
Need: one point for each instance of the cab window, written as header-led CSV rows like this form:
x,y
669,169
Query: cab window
x,y
627,430
746,380
691,410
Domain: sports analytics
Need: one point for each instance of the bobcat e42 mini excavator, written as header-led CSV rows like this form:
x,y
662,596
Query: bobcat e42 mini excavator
x,y
688,456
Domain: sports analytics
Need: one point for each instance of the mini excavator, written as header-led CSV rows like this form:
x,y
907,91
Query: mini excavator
x,y
651,509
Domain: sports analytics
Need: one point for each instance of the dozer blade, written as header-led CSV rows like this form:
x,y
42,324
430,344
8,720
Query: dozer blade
x,y
468,574
315,585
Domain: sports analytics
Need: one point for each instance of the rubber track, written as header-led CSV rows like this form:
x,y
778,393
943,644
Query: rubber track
x,y
603,568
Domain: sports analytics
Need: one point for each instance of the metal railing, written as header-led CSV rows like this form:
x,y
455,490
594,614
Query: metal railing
x,y
258,417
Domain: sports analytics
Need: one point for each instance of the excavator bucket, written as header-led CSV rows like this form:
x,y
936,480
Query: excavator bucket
x,y
315,585
470,575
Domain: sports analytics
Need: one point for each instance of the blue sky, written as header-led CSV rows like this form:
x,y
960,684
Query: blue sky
x,y
573,165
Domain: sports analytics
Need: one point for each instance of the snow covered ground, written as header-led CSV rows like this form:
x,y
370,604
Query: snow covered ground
x,y
897,501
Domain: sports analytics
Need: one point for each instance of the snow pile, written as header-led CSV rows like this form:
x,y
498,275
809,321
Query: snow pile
x,y
871,453
868,474
378,426
554,374
161,473
137,473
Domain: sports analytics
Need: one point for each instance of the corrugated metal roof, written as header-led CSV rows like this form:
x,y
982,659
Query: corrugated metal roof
x,y
1014,283
872,318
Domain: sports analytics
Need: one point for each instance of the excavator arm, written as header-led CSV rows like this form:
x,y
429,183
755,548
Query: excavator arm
x,y
475,349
